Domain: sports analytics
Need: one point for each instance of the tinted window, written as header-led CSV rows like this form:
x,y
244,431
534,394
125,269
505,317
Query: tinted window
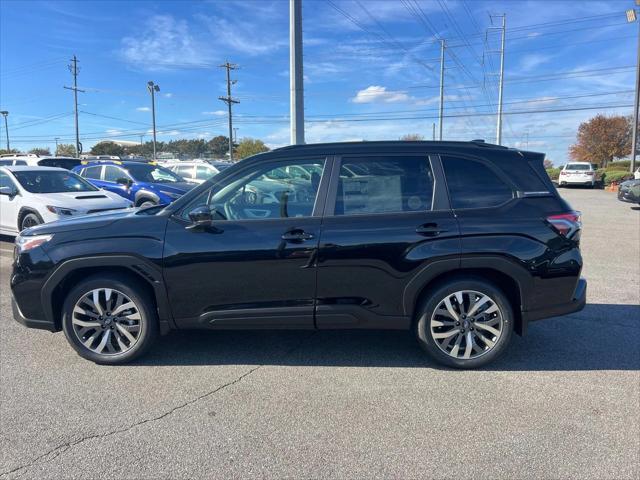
x,y
112,174
578,166
266,192
92,172
473,184
384,185
143,172
6,162
67,163
49,181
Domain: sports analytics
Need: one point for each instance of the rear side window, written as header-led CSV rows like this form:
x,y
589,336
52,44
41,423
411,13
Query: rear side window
x,y
474,185
384,185
67,163
204,173
185,171
112,174
92,172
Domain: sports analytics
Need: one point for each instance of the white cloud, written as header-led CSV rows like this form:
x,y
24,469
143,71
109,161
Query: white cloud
x,y
143,109
163,42
167,95
378,94
113,131
532,61
243,36
217,113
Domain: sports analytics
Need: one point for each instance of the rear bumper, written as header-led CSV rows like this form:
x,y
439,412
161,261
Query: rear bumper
x,y
30,322
627,196
576,304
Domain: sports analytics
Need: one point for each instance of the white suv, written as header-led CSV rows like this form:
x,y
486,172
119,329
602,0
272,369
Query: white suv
x,y
192,170
33,195
578,173
39,161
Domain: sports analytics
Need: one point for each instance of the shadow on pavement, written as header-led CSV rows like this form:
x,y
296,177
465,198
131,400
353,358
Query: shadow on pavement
x,y
601,337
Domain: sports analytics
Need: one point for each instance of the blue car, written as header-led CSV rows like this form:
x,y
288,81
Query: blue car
x,y
145,184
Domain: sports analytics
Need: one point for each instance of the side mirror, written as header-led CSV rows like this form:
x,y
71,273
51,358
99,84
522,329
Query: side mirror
x,y
8,191
124,181
201,217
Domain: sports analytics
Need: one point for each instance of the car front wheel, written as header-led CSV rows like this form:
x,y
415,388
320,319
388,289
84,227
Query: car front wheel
x,y
30,220
109,320
465,323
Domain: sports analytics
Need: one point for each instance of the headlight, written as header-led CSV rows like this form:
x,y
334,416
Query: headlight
x,y
24,244
61,210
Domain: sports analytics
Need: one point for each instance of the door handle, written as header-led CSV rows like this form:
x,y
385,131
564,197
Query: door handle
x,y
296,236
429,230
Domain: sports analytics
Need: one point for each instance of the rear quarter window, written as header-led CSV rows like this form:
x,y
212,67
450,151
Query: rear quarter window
x,y
472,184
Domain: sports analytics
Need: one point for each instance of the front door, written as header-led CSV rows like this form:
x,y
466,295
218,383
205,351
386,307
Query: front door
x,y
9,205
389,230
255,266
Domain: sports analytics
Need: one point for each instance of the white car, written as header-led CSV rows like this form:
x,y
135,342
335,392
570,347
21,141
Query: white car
x,y
33,195
192,170
577,173
33,160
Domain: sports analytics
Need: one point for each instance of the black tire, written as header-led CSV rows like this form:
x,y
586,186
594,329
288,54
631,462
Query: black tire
x,y
131,288
425,311
29,219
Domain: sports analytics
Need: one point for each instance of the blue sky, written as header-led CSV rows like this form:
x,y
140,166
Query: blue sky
x,y
371,68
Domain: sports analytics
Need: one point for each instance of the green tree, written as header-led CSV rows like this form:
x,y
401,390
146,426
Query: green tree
x,y
602,139
4,151
66,150
218,146
107,148
250,146
40,151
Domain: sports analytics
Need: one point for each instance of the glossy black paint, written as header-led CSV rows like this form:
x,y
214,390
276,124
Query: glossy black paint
x,y
321,271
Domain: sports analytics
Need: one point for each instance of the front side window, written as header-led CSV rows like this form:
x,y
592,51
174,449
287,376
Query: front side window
x,y
51,181
393,184
266,192
5,181
204,173
473,184
150,173
185,171
112,174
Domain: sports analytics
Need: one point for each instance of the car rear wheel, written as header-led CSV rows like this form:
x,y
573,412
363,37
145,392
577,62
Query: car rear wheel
x,y
465,323
29,220
109,320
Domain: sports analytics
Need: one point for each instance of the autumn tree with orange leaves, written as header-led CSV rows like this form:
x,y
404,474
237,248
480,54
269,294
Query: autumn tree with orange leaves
x,y
602,139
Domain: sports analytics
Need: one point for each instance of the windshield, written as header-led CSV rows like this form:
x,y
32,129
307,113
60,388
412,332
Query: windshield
x,y
152,174
578,166
51,181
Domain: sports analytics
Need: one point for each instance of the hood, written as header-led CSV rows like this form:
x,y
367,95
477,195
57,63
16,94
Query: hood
x,y
176,187
86,201
84,222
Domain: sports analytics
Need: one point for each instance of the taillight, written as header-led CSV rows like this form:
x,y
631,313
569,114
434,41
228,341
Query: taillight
x,y
591,173
566,223
563,172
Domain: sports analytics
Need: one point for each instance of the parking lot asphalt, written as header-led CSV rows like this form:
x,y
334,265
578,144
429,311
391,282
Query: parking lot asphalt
x,y
563,402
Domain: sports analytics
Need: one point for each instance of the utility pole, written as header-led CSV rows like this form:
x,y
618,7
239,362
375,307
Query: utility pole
x,y
141,137
433,137
235,134
632,16
153,88
441,110
73,68
296,77
229,101
5,114
56,139
501,81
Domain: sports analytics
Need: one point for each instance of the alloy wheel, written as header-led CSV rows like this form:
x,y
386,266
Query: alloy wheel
x,y
466,324
106,321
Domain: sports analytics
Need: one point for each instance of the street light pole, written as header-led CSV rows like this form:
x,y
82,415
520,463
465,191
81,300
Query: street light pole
x,y
153,88
4,113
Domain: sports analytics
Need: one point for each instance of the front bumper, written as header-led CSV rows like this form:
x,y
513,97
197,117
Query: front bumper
x,y
627,196
576,304
29,322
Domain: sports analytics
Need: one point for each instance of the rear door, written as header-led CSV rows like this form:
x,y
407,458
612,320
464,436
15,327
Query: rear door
x,y
387,224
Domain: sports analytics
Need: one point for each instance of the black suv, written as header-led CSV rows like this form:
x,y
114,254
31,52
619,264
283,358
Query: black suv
x,y
462,242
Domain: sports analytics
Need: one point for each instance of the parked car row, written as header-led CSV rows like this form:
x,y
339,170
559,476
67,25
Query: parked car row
x,y
40,189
